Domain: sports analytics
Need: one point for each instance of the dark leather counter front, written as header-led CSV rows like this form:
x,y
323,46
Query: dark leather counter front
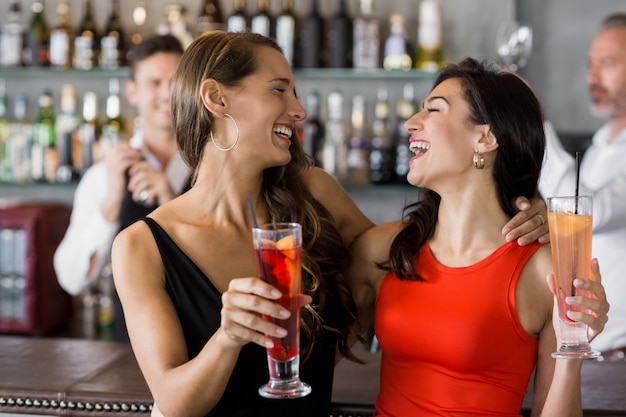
x,y
74,377
70,377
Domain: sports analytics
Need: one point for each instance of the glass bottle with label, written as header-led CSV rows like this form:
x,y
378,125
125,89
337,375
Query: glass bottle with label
x,y
37,37
44,156
210,17
311,38
21,140
397,53
313,129
382,152
5,136
430,36
238,20
405,109
357,161
366,47
140,13
88,131
113,128
335,147
66,130
86,41
286,30
113,41
262,22
61,38
12,37
339,38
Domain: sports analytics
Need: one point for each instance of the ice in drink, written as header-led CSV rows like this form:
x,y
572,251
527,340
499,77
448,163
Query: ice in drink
x,y
281,264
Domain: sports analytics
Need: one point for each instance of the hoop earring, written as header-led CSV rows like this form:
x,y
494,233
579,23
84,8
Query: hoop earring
x,y
479,160
236,137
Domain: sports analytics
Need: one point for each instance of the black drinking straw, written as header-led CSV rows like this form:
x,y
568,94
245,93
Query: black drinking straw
x,y
283,343
577,181
573,291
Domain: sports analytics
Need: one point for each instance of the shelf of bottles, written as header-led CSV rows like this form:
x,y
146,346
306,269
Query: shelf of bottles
x,y
340,49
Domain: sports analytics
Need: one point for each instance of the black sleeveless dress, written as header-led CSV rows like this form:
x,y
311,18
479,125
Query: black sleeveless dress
x,y
198,304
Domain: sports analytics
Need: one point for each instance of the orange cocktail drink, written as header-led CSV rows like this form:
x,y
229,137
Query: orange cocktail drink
x,y
570,222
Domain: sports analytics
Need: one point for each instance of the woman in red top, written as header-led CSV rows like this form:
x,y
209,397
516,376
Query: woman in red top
x,y
462,315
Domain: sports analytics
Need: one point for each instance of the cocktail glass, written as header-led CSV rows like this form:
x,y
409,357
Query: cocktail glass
x,y
278,250
570,221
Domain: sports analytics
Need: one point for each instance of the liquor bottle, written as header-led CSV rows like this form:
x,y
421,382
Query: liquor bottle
x,y
430,36
5,136
366,40
176,24
357,163
21,140
113,41
286,30
210,17
339,38
113,128
86,41
12,37
262,22
44,158
37,37
88,131
335,147
66,130
311,39
61,38
405,108
238,20
397,52
140,13
382,156
312,129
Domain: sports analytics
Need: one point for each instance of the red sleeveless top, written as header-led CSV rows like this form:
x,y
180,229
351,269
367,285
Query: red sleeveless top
x,y
452,345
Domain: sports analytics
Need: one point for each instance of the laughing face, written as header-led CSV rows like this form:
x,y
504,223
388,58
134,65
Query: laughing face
x,y
267,108
442,138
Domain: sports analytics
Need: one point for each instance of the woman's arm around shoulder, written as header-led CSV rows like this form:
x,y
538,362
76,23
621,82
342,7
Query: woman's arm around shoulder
x,y
368,250
350,220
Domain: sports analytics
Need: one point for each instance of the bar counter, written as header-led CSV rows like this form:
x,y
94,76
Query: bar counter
x,y
76,377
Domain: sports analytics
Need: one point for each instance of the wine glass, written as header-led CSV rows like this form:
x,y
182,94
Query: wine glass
x,y
514,43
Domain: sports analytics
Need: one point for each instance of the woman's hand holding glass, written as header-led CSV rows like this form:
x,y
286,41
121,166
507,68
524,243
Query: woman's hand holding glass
x,y
596,305
243,305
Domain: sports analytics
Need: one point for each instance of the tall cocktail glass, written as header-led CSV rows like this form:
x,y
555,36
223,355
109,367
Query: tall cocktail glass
x,y
279,262
570,221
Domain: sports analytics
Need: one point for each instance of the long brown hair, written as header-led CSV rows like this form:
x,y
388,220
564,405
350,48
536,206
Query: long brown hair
x,y
228,58
504,102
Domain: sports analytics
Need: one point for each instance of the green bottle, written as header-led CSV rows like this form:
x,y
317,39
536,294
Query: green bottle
x,y
37,37
44,157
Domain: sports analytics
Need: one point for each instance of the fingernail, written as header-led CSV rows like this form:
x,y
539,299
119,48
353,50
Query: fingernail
x,y
578,282
574,315
569,300
284,314
281,332
510,237
275,293
269,343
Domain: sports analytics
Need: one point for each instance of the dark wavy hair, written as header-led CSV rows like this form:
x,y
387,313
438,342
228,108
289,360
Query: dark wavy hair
x,y
228,58
506,103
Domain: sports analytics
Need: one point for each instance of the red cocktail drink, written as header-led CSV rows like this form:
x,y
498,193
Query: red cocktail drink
x,y
279,262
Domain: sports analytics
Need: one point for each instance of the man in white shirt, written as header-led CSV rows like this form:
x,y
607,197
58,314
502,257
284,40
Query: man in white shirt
x,y
602,174
134,178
